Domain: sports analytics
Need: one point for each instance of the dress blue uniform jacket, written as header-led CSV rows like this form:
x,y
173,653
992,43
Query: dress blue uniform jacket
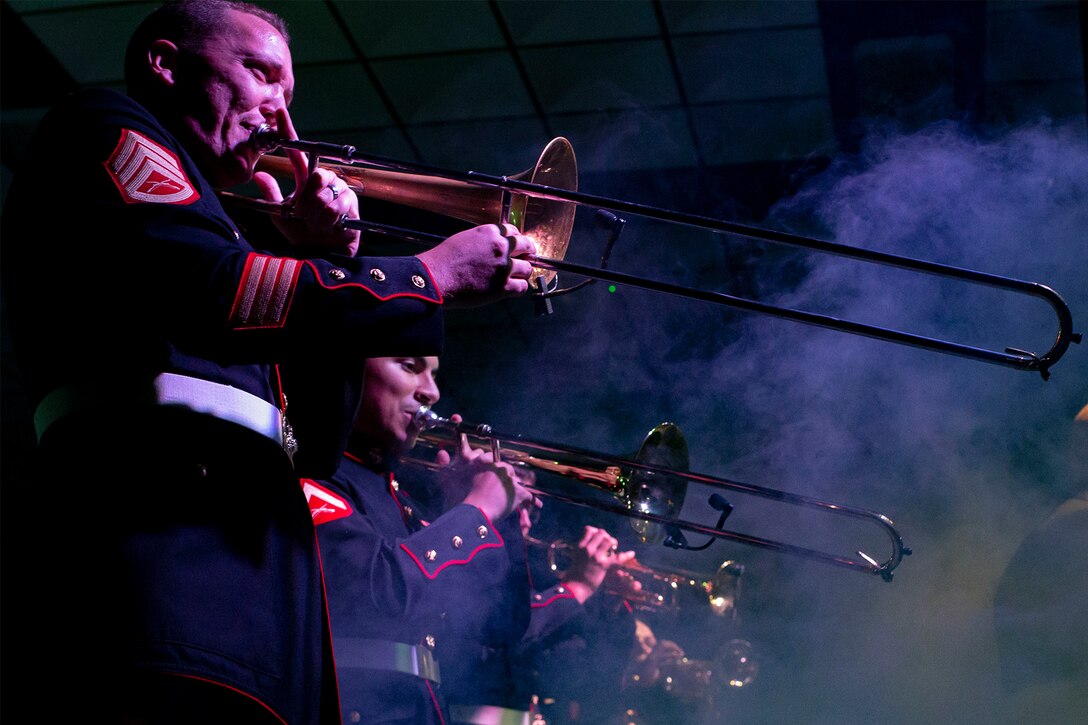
x,y
560,646
391,577
179,541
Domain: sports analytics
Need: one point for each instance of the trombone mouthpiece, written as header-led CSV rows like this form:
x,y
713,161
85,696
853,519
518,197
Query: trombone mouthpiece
x,y
265,138
426,419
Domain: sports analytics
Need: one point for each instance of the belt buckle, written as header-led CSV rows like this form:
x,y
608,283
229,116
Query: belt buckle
x,y
290,445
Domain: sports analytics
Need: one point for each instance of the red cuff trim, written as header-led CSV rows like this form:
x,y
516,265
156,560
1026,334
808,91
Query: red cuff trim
x,y
433,283
567,595
414,295
453,562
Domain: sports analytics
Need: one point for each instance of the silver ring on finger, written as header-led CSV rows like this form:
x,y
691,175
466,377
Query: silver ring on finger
x,y
335,192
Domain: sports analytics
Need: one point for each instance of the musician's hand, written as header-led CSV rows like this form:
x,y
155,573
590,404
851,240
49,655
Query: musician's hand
x,y
320,202
481,265
665,652
443,456
528,513
623,582
590,561
650,656
490,486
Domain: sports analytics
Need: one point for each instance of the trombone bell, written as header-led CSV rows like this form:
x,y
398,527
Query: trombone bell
x,y
647,491
549,222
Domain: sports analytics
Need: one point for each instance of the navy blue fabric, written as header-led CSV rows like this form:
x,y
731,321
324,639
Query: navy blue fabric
x,y
178,546
382,584
123,291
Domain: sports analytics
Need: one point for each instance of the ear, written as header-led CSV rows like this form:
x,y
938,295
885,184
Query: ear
x,y
162,57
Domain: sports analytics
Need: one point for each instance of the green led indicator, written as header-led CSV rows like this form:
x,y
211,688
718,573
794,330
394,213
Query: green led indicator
x,y
611,288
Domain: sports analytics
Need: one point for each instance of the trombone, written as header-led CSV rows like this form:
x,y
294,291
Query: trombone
x,y
650,488
542,202
660,588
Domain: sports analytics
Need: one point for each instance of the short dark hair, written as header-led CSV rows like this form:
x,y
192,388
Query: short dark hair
x,y
187,23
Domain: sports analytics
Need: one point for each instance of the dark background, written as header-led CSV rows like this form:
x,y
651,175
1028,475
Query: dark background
x,y
953,132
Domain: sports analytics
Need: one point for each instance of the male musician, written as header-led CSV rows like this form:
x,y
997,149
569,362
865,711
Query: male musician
x,y
397,584
570,636
148,330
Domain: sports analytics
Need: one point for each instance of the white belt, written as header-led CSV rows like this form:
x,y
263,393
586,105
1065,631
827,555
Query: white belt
x,y
202,396
488,715
380,654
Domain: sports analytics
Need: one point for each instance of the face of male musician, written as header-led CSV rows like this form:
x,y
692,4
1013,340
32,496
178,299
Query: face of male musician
x,y
393,390
225,87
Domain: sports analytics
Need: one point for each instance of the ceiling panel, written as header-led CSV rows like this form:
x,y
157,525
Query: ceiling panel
x,y
501,147
1034,43
424,27
336,96
80,38
315,37
753,131
629,140
598,76
760,64
705,16
691,83
535,22
457,88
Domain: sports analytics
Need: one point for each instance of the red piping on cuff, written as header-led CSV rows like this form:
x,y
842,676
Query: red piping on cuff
x,y
565,595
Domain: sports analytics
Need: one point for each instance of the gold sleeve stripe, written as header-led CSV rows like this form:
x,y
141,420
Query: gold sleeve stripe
x,y
264,293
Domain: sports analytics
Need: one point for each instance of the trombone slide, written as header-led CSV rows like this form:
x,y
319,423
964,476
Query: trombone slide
x,y
546,198
653,494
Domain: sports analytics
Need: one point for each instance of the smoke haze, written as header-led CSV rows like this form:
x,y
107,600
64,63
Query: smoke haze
x,y
965,457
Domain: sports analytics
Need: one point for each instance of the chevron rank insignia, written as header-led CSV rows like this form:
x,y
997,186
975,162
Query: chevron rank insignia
x,y
145,171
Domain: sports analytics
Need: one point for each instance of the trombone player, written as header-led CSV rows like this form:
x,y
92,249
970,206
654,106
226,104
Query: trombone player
x,y
400,586
576,634
396,582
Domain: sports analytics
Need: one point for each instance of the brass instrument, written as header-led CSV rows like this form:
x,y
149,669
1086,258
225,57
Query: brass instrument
x,y
542,202
661,588
733,667
548,222
650,489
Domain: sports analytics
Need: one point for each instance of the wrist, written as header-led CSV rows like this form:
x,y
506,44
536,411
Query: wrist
x,y
581,590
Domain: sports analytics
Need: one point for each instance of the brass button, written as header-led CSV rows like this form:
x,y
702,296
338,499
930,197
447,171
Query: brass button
x,y
429,641
418,281
407,510
377,275
431,555
396,485
355,716
561,590
457,541
338,274
538,596
482,532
